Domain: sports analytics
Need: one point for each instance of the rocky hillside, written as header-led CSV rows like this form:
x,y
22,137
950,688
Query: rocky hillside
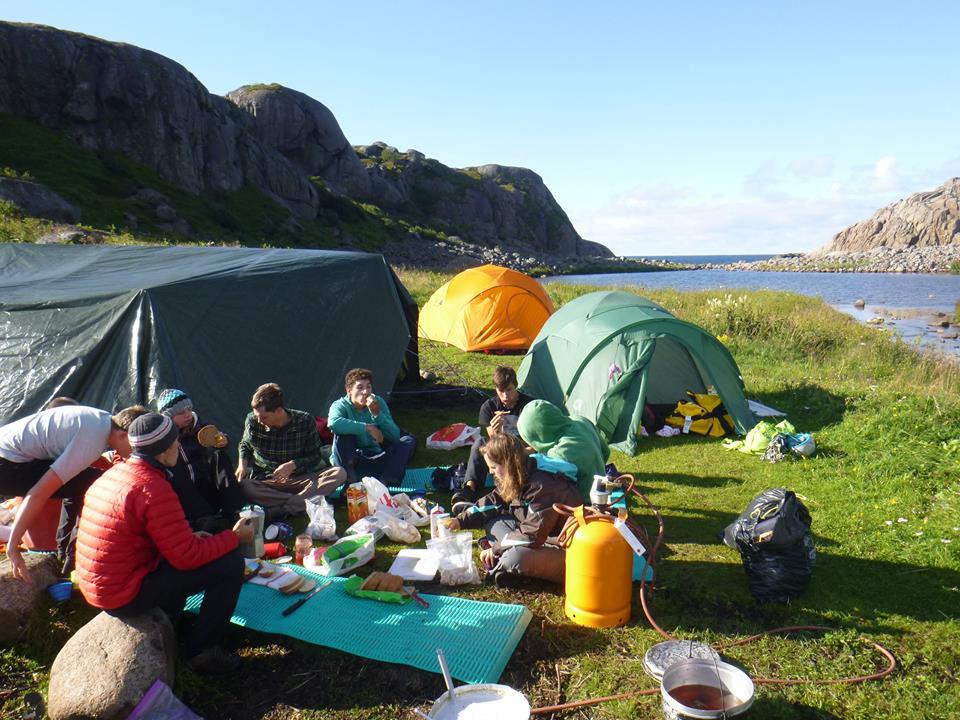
x,y
143,145
923,220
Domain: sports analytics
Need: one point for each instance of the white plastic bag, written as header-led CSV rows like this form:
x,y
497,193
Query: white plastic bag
x,y
453,436
377,492
322,525
367,525
455,559
397,529
346,555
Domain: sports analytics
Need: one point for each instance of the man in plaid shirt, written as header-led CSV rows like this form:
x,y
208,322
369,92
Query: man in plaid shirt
x,y
280,460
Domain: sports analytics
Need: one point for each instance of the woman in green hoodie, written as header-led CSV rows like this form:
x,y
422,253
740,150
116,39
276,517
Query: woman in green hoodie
x,y
544,427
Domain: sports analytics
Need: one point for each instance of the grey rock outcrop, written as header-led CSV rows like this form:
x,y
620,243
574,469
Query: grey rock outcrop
x,y
926,219
37,200
112,96
106,667
17,598
305,132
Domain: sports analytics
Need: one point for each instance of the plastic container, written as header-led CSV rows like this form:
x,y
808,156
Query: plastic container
x,y
481,702
61,591
303,546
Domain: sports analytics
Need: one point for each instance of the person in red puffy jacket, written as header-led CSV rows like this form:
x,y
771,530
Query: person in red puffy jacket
x,y
136,551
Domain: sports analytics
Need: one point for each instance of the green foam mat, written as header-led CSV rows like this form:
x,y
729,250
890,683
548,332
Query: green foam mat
x,y
477,637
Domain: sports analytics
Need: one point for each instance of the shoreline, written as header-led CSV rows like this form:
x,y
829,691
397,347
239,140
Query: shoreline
x,y
939,259
455,254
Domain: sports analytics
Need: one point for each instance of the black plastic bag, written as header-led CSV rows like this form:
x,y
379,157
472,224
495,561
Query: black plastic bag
x,y
775,544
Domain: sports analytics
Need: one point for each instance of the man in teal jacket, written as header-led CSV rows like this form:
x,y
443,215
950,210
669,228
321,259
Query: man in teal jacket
x,y
366,440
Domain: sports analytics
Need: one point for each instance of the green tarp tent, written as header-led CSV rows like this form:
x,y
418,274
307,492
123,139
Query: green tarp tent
x,y
605,354
114,325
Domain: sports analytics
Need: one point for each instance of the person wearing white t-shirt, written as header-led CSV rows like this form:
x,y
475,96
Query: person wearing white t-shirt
x,y
48,455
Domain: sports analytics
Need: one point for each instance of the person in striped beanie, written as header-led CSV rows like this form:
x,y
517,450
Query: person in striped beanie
x,y
136,551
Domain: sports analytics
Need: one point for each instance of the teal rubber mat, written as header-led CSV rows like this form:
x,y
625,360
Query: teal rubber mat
x,y
478,638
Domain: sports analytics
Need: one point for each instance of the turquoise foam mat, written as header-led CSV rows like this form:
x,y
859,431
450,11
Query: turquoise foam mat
x,y
478,638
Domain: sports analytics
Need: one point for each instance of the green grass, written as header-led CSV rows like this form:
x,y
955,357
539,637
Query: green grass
x,y
887,425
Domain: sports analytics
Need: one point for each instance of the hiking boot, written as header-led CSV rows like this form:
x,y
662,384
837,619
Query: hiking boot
x,y
467,494
214,661
460,506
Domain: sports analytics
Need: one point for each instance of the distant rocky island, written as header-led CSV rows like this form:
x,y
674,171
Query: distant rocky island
x,y
919,234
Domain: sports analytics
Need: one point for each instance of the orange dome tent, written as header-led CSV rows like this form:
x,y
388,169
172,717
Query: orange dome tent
x,y
486,308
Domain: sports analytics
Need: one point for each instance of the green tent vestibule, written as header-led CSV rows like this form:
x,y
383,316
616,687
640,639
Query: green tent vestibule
x,y
113,325
605,355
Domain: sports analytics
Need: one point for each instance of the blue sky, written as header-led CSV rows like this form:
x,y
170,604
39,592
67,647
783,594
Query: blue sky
x,y
661,128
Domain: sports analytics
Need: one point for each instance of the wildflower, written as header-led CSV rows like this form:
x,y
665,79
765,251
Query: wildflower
x,y
901,520
888,522
946,541
918,533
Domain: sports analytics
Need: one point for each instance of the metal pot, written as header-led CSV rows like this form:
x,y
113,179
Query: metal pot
x,y
705,690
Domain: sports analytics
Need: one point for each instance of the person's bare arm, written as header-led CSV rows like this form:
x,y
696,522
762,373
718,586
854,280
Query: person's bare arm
x,y
29,510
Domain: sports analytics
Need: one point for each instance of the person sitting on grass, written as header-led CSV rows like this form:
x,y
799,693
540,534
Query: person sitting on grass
x,y
204,477
136,551
575,439
281,463
518,515
498,414
366,440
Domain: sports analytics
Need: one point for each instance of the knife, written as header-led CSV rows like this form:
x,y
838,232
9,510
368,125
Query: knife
x,y
302,600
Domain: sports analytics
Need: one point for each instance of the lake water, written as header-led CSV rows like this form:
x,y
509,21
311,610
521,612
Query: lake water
x,y
883,293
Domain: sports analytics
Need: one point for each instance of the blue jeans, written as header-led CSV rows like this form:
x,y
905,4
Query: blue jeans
x,y
389,468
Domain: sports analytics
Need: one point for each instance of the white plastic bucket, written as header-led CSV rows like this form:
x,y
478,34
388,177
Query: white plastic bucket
x,y
705,690
482,702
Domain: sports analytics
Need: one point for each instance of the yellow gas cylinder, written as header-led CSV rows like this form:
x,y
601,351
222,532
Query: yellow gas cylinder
x,y
598,582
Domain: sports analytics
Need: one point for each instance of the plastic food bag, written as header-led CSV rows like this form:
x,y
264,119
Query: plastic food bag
x,y
367,525
159,703
453,436
377,492
397,529
347,554
455,559
322,524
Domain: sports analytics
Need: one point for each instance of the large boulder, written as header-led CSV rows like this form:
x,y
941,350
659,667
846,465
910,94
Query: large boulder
x,y
37,200
18,598
109,664
305,132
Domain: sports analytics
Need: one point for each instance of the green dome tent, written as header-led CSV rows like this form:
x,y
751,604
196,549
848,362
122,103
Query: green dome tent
x,y
605,354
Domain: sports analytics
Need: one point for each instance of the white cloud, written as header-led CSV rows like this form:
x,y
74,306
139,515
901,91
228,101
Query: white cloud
x,y
885,175
795,206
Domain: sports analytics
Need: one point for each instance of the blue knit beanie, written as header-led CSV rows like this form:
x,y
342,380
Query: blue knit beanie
x,y
173,402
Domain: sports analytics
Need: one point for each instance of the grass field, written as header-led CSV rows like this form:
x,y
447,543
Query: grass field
x,y
883,489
